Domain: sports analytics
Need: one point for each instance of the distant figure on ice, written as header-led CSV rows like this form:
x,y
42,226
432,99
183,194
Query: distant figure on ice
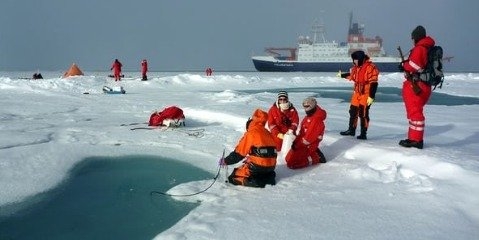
x,y
257,148
144,69
116,67
37,76
305,147
209,71
282,119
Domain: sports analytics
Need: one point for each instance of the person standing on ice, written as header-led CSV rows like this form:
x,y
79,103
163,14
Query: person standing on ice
x,y
257,148
282,119
209,71
364,74
414,101
144,69
305,147
116,67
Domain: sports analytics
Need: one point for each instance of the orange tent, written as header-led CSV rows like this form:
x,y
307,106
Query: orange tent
x,y
73,71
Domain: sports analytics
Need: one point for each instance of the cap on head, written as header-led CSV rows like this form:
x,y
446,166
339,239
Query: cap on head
x,y
360,56
418,33
282,94
309,103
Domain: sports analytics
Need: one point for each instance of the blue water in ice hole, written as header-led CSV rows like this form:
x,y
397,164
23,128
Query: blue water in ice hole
x,y
105,198
383,95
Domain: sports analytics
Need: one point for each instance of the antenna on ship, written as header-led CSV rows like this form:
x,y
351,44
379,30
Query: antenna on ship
x,y
354,27
318,28
350,22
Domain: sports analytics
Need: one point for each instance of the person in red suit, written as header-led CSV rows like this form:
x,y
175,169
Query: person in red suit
x,y
282,119
415,92
305,147
116,67
144,69
209,71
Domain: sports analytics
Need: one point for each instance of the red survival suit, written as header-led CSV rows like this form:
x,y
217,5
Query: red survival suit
x,y
144,69
116,67
279,122
413,102
305,146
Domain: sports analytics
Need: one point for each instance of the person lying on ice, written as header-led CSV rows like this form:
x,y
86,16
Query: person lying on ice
x,y
258,150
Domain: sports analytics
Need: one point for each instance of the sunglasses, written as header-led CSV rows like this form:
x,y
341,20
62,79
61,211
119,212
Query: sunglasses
x,y
306,106
282,99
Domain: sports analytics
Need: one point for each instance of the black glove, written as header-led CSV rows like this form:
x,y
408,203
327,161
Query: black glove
x,y
286,121
345,75
400,67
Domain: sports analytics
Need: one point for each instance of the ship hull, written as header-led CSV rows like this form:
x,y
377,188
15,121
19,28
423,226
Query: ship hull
x,y
295,66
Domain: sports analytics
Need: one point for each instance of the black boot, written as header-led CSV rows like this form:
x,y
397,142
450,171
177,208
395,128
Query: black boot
x,y
410,143
353,117
322,158
362,136
349,132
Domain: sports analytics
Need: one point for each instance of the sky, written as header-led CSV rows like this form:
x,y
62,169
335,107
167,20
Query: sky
x,y
371,189
188,35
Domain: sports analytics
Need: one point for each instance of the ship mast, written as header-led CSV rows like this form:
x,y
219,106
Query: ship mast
x,y
355,32
318,29
350,22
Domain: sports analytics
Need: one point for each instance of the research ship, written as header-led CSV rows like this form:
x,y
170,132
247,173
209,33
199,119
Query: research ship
x,y
316,54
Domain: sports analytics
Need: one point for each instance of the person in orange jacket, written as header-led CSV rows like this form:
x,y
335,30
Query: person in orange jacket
x,y
116,67
257,148
415,102
305,147
282,118
364,74
144,69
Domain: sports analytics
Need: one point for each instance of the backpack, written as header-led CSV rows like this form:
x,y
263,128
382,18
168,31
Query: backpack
x,y
432,73
170,116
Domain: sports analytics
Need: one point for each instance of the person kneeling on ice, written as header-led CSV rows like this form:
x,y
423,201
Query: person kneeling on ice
x,y
282,119
305,147
170,117
258,150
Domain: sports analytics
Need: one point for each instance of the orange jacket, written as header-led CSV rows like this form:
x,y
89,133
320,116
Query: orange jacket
x,y
256,144
365,80
363,76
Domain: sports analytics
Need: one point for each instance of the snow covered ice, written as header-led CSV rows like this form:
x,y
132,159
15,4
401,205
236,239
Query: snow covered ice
x,y
371,189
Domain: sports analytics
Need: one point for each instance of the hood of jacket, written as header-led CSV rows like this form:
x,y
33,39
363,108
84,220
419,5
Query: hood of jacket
x,y
426,42
259,118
